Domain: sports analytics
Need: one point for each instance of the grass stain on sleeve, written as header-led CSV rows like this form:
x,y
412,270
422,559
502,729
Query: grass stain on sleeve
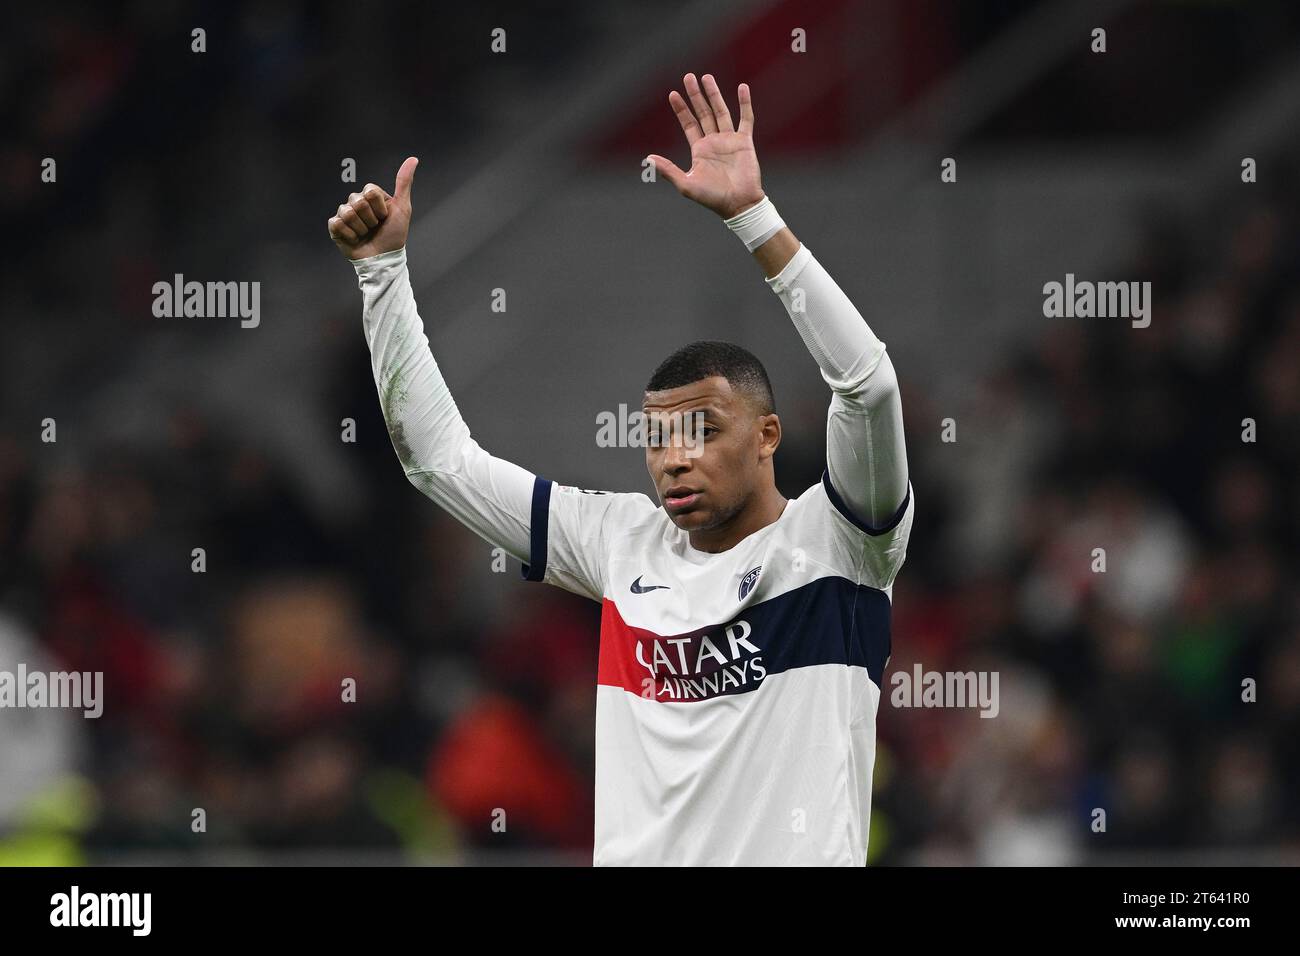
x,y
394,398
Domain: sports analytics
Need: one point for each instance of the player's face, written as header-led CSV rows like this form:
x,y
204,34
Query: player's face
x,y
705,449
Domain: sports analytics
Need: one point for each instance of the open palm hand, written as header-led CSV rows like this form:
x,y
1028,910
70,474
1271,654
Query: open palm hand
x,y
724,174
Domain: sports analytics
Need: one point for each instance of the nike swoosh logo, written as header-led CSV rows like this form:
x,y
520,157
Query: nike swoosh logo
x,y
638,588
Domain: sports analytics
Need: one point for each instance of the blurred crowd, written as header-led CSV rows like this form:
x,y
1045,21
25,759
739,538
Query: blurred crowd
x,y
228,724
1164,690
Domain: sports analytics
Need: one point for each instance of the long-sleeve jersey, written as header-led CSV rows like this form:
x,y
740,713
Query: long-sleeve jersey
x,y
737,691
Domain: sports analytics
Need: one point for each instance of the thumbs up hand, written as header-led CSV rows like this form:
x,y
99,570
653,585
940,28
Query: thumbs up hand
x,y
372,221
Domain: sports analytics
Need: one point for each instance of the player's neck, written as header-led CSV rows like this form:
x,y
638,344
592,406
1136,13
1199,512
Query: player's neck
x,y
761,511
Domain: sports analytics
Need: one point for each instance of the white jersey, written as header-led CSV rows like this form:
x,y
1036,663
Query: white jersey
x,y
737,691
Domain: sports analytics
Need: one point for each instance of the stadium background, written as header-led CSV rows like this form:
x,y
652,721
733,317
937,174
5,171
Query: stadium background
x,y
476,690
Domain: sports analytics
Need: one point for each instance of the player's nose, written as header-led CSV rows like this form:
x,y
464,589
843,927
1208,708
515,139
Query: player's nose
x,y
677,458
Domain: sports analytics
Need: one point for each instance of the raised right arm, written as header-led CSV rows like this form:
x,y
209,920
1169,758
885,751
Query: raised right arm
x,y
492,497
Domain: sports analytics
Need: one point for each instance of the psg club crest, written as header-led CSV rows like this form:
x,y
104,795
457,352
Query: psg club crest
x,y
748,581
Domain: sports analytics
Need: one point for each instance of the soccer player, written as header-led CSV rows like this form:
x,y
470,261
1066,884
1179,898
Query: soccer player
x,y
744,635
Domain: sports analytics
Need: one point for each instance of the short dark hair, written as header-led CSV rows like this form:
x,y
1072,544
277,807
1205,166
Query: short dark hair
x,y
740,367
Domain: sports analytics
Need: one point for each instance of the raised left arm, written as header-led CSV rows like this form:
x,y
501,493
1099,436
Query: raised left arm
x,y
866,459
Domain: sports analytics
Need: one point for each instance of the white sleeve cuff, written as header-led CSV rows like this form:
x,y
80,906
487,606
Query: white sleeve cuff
x,y
372,264
782,280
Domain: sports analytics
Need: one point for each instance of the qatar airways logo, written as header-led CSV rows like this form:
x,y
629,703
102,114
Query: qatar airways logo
x,y
697,667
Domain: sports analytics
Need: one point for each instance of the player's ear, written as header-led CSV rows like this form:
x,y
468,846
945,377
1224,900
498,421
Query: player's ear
x,y
769,434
